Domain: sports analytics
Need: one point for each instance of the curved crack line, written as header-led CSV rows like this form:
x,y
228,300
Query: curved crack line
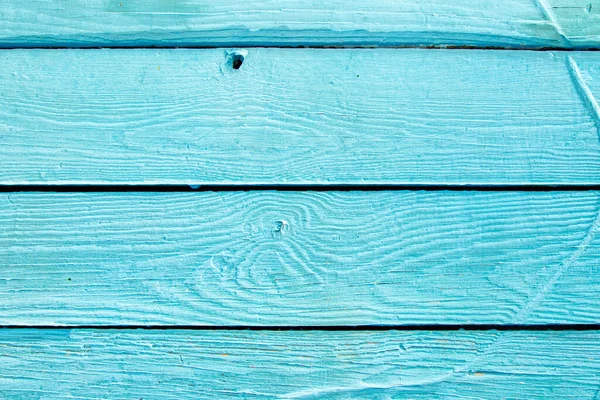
x,y
586,95
502,336
361,386
539,296
560,270
546,10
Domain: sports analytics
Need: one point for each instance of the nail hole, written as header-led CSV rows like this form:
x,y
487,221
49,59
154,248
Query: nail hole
x,y
237,60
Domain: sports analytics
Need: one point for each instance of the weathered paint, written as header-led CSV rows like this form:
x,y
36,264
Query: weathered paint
x,y
175,364
299,258
132,23
249,116
299,116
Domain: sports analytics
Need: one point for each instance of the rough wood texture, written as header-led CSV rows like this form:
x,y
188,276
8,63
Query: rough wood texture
x,y
272,258
514,23
91,364
299,116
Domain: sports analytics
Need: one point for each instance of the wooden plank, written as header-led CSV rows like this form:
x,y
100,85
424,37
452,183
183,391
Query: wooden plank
x,y
175,364
298,116
514,23
305,258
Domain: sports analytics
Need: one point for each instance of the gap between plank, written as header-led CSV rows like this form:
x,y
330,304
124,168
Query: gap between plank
x,y
327,47
95,188
426,327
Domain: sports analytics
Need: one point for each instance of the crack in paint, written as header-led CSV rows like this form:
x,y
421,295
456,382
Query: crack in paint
x,y
548,14
586,95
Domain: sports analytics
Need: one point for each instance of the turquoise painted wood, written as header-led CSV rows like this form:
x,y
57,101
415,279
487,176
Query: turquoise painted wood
x,y
299,258
232,112
298,116
174,364
513,23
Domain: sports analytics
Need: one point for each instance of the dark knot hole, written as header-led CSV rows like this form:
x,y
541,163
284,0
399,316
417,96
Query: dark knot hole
x,y
237,60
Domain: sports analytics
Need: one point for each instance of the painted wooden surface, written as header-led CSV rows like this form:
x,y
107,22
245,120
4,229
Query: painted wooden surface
x,y
91,364
514,23
298,259
304,258
290,116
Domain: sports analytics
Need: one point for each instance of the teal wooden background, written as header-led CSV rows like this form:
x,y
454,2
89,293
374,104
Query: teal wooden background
x,y
134,23
300,199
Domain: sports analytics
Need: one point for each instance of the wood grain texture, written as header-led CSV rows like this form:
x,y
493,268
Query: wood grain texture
x,y
91,364
297,116
514,23
305,258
